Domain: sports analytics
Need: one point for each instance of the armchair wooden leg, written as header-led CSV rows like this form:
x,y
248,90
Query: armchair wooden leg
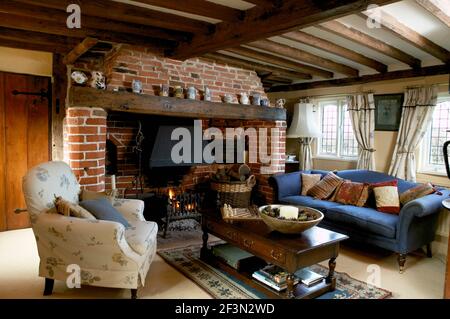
x,y
429,251
48,289
133,293
401,262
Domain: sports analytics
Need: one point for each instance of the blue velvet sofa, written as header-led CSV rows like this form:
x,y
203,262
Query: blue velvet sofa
x,y
412,229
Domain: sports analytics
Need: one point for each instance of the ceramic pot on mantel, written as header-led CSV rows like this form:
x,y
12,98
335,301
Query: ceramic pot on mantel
x,y
244,98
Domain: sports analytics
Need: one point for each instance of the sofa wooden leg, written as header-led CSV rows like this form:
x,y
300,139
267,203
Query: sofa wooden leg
x,y
133,293
429,251
401,262
48,289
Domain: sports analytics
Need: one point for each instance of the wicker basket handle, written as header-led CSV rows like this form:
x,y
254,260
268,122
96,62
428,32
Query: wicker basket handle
x,y
251,181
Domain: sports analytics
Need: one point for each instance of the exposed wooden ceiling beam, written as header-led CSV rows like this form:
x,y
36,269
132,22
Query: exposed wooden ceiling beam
x,y
200,7
269,58
128,13
303,56
17,44
338,50
37,25
394,75
79,50
222,58
366,40
260,23
37,38
392,25
56,15
439,8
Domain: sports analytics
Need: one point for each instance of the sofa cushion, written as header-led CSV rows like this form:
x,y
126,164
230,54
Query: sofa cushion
x,y
325,188
308,181
386,197
322,205
365,218
419,191
141,235
352,193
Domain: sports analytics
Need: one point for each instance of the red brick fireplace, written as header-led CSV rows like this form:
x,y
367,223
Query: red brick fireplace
x,y
88,129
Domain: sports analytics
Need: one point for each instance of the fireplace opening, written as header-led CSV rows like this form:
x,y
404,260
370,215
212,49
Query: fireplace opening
x,y
111,158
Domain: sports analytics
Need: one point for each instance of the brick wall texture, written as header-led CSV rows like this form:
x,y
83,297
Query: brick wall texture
x,y
87,129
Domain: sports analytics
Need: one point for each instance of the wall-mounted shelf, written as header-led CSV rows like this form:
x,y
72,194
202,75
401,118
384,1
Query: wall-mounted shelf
x,y
169,106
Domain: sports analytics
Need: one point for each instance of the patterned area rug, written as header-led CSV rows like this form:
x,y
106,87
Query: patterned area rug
x,y
222,286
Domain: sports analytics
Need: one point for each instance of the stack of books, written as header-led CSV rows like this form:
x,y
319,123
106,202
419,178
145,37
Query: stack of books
x,y
275,277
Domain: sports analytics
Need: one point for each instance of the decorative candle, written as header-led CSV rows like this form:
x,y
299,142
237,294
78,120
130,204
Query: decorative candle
x,y
113,182
289,212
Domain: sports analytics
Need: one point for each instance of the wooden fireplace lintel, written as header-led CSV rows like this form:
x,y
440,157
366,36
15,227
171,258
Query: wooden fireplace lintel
x,y
169,106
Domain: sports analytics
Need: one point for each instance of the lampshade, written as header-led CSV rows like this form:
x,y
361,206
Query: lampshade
x,y
304,122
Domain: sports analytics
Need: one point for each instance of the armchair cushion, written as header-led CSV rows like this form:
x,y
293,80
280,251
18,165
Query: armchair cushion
x,y
141,236
102,209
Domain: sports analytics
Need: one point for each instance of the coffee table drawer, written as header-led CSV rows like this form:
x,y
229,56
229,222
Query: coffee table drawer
x,y
264,250
224,232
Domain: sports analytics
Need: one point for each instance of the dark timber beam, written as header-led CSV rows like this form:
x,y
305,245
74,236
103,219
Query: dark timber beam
x,y
127,13
392,25
261,22
250,65
37,25
60,16
169,106
79,50
199,7
437,8
32,46
368,41
338,50
38,38
427,71
303,56
272,59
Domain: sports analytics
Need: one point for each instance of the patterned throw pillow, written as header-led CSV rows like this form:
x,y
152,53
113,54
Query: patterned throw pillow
x,y
308,181
325,188
90,195
416,192
386,197
352,193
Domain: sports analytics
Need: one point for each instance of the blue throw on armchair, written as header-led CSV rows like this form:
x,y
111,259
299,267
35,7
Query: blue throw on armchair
x,y
413,228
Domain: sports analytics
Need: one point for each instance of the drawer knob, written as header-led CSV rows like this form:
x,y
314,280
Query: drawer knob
x,y
276,254
248,243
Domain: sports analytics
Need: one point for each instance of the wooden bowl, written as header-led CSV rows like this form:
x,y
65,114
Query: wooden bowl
x,y
290,226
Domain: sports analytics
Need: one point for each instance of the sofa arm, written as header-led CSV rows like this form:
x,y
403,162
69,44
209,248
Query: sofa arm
x,y
286,184
426,205
131,209
77,240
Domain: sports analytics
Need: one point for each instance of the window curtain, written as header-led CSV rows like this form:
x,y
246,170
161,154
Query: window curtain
x,y
417,114
361,108
305,157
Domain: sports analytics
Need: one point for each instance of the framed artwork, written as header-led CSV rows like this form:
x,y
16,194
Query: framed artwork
x,y
388,111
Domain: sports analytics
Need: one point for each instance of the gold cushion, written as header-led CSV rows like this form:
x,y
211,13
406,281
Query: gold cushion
x,y
308,181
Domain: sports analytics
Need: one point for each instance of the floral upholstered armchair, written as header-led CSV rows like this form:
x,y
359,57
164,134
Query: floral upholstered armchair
x,y
108,254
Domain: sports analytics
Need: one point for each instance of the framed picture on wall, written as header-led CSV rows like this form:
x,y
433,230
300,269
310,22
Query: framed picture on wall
x,y
388,111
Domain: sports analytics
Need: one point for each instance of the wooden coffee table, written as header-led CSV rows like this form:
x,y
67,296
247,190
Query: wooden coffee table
x,y
290,252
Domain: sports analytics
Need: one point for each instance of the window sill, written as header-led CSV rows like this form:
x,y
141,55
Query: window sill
x,y
434,173
337,159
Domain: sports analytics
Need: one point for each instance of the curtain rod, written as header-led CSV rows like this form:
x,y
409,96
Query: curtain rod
x,y
370,91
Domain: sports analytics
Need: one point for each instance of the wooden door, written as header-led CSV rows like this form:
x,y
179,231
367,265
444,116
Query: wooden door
x,y
24,141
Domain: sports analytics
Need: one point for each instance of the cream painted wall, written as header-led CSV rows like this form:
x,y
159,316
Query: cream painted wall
x,y
384,140
25,61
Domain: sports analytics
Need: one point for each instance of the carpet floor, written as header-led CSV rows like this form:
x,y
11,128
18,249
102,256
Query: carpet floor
x,y
220,285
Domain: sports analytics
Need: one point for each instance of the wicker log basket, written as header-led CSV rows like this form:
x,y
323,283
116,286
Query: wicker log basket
x,y
234,193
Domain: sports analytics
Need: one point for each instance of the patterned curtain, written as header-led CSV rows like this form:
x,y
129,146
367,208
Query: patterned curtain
x,y
361,108
417,114
305,158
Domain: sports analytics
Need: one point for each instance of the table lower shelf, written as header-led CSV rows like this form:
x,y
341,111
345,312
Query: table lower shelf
x,y
301,291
